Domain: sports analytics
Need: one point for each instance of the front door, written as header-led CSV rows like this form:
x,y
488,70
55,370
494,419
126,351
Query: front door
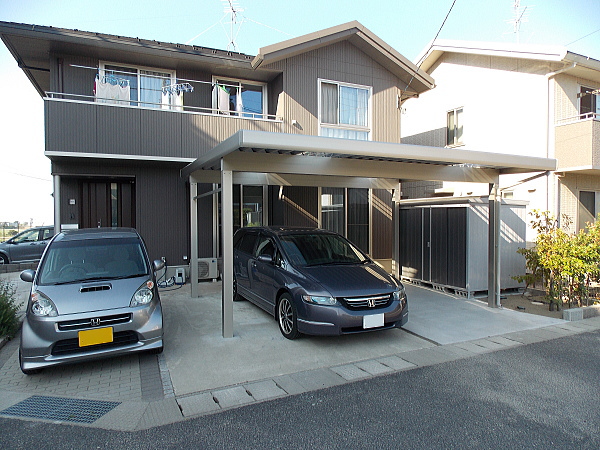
x,y
107,204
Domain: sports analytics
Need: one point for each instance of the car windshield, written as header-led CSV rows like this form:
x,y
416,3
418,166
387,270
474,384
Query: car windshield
x,y
93,259
312,249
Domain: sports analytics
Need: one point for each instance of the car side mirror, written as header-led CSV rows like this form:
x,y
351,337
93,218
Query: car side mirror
x,y
265,258
28,275
158,264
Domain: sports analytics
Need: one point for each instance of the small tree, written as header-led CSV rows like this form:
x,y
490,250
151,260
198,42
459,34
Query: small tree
x,y
9,323
563,262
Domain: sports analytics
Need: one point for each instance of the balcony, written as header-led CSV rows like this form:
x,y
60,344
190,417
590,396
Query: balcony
x,y
577,143
79,124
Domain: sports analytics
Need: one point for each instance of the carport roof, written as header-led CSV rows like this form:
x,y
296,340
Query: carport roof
x,y
268,152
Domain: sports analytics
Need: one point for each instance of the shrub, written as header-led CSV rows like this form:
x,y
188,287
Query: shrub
x,y
9,324
563,262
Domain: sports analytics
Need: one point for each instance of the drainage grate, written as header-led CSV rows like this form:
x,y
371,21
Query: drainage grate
x,y
59,408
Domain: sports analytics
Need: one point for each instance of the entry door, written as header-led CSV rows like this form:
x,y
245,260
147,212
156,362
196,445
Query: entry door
x,y
107,204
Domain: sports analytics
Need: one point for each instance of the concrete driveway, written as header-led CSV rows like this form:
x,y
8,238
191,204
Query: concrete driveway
x,y
200,372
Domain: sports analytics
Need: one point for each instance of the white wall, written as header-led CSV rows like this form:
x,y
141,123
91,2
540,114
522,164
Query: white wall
x,y
505,110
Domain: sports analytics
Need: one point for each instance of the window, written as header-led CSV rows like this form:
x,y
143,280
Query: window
x,y
454,130
587,208
238,97
344,110
358,218
589,103
145,85
332,210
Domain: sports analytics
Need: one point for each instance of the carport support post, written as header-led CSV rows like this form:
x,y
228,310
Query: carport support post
x,y
494,247
56,197
227,240
194,237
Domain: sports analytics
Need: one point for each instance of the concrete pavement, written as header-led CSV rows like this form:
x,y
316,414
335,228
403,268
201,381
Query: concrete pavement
x,y
202,373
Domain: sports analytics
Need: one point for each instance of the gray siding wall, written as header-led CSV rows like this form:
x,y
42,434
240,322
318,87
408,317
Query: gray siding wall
x,y
338,62
107,129
162,201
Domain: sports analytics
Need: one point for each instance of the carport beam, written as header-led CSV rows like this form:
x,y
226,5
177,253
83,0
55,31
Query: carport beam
x,y
227,239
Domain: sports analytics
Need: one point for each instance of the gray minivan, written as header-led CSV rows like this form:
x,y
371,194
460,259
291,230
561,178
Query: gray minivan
x,y
315,282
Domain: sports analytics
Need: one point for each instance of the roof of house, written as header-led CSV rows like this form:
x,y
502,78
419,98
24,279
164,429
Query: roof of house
x,y
416,80
32,45
575,64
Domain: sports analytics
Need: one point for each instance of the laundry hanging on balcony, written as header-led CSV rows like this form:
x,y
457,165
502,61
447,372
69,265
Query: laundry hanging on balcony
x,y
229,101
112,90
178,88
222,100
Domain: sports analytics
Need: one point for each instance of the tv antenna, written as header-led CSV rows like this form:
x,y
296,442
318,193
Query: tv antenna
x,y
233,10
232,27
520,15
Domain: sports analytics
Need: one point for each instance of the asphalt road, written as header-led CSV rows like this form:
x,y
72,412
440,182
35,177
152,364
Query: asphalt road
x,y
544,395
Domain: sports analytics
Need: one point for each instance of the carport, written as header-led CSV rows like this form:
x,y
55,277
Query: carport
x,y
266,158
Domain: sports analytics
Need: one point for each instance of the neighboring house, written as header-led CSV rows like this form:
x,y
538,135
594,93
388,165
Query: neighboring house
x,y
123,117
516,99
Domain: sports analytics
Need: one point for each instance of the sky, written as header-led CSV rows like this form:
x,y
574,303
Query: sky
x,y
408,26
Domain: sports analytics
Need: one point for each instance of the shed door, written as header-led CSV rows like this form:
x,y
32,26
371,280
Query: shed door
x,y
107,204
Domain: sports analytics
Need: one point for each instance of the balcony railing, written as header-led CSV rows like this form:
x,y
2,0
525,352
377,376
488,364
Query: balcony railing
x,y
162,106
573,119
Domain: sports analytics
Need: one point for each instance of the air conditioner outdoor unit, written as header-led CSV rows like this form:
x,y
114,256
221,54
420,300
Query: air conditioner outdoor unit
x,y
207,268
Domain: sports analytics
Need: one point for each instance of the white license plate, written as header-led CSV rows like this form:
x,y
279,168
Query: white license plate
x,y
373,321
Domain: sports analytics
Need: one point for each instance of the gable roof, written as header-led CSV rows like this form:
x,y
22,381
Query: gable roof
x,y
32,46
417,81
574,64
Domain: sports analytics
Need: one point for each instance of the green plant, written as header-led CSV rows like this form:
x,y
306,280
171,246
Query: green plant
x,y
563,262
9,324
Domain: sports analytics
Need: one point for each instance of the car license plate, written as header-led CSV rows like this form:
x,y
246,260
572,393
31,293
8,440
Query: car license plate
x,y
96,336
373,321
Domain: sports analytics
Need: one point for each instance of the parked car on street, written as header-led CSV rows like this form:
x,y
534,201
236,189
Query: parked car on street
x,y
27,246
315,282
94,295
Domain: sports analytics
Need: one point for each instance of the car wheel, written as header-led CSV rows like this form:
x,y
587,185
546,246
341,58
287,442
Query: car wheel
x,y
157,350
236,296
27,371
287,317
3,259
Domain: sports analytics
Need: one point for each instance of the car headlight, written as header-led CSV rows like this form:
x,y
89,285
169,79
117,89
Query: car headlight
x,y
400,294
143,295
320,300
42,306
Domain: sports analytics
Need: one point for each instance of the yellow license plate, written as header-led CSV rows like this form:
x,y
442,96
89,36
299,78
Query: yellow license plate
x,y
94,337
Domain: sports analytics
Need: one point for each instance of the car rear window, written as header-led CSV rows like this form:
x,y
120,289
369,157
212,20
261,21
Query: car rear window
x,y
70,261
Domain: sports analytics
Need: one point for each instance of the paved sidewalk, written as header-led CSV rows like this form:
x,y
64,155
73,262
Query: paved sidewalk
x,y
202,373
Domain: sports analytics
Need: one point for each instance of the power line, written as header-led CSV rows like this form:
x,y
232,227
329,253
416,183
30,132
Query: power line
x,y
432,42
576,40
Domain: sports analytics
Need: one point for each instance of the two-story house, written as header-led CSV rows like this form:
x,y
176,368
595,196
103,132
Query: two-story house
x,y
518,99
123,116
187,143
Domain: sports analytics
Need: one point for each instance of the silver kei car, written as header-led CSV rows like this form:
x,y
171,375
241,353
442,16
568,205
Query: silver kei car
x,y
315,282
94,295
